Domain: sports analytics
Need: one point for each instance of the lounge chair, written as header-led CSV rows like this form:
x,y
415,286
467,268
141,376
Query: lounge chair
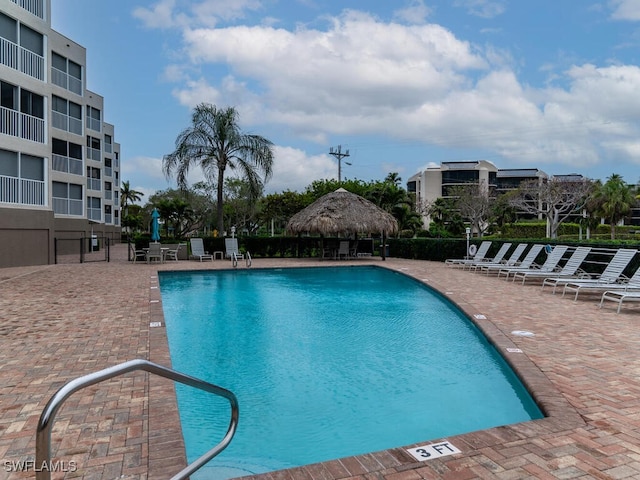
x,y
231,249
549,265
513,260
621,296
570,270
609,279
197,250
343,250
460,262
527,262
155,252
499,256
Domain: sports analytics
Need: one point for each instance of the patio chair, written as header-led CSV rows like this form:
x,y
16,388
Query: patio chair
x,y
549,265
172,254
231,249
480,254
136,255
609,279
495,266
570,270
197,250
155,252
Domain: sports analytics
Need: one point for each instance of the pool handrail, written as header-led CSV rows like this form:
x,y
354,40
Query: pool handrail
x,y
45,424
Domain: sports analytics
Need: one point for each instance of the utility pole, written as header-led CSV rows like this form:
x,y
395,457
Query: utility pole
x,y
337,152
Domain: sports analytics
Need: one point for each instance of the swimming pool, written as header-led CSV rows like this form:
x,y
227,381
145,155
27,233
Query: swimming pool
x,y
328,362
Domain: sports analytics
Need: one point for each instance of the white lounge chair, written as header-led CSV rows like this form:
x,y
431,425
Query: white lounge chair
x,y
499,256
570,270
549,265
527,262
343,250
608,279
231,249
137,254
621,296
461,262
197,250
514,258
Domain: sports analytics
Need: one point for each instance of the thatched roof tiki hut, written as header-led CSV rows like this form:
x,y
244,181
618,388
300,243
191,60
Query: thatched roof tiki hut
x,y
343,213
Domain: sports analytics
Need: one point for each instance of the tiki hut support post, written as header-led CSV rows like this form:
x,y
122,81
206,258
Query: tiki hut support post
x,y
384,246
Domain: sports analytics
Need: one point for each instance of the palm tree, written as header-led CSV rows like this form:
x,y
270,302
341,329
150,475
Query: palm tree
x,y
215,142
616,200
128,196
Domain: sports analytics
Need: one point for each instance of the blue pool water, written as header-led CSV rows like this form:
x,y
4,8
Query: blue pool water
x,y
328,362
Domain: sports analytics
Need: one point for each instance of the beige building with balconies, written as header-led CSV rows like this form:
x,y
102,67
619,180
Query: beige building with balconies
x,y
59,163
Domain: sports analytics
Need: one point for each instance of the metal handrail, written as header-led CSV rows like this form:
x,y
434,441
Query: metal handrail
x,y
248,259
234,259
45,424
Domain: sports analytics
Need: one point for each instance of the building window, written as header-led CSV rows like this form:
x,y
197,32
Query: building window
x,y
93,118
66,73
22,178
66,115
93,148
67,198
21,113
67,156
93,179
94,208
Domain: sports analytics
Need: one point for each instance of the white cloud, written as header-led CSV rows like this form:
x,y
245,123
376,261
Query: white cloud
x,y
625,9
417,12
482,8
294,170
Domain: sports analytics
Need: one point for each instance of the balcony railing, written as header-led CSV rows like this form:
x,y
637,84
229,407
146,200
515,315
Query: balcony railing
x,y
67,164
21,191
108,148
108,172
93,154
108,218
21,125
21,59
94,184
66,206
35,7
94,214
66,123
94,124
107,194
66,81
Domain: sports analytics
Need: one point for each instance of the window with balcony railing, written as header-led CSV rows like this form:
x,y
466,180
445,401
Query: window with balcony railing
x,y
66,74
21,48
94,209
93,148
66,157
35,7
93,179
93,119
67,198
66,115
107,167
21,113
22,179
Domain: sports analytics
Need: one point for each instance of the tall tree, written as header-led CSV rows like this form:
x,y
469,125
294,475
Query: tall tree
x,y
555,199
615,200
474,204
128,195
215,142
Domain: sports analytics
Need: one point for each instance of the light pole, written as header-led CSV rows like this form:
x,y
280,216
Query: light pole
x,y
468,232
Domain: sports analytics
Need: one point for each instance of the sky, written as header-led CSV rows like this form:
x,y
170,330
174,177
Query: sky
x,y
402,84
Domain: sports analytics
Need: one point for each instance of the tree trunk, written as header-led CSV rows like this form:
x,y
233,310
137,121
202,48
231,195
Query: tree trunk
x,y
219,197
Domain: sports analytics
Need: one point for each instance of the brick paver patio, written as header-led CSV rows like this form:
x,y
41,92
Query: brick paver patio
x,y
58,322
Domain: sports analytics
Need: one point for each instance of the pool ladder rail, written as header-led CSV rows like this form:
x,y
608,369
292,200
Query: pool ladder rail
x,y
235,257
45,424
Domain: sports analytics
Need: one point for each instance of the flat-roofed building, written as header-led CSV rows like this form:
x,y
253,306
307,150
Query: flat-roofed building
x,y
59,162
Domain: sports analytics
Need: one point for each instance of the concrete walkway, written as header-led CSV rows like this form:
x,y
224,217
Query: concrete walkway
x,y
59,322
